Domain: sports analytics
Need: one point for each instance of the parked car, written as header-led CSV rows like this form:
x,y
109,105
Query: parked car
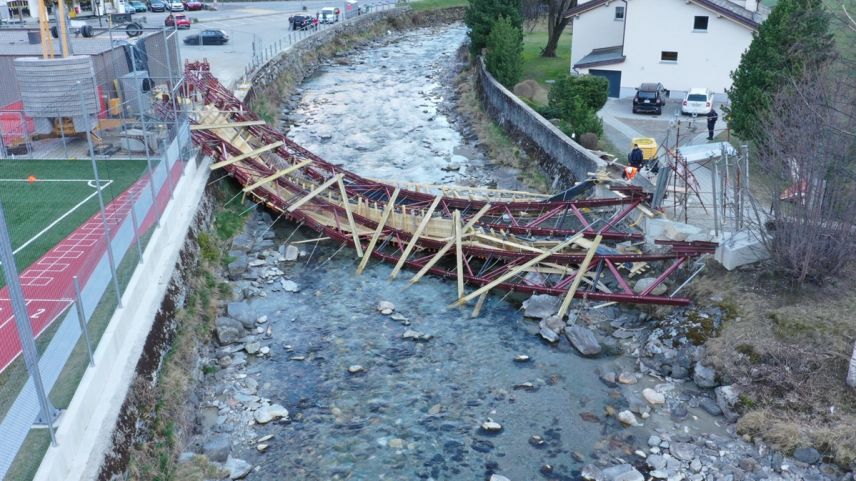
x,y
138,6
329,15
207,37
156,6
697,102
650,97
177,20
174,6
301,22
192,5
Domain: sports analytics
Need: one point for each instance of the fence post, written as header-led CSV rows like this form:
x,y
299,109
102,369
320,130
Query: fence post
x,y
22,322
81,316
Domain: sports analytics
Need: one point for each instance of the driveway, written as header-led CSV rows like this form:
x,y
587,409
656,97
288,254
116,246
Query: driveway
x,y
620,124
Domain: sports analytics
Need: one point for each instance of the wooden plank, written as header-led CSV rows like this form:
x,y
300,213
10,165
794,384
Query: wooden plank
x,y
248,123
459,252
439,255
412,243
277,175
241,157
566,303
321,188
347,204
479,304
390,206
513,272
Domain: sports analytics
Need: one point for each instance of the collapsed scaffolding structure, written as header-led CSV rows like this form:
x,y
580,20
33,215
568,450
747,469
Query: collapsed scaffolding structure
x,y
565,245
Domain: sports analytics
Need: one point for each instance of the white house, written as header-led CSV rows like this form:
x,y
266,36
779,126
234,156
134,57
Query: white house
x,y
680,43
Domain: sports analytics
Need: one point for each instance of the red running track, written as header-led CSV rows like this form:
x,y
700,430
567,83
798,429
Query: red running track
x,y
48,283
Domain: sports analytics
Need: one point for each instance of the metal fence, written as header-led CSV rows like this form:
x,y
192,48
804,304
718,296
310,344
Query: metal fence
x,y
76,211
262,54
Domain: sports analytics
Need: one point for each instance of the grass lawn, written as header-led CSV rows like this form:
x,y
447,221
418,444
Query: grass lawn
x,y
432,4
542,69
32,207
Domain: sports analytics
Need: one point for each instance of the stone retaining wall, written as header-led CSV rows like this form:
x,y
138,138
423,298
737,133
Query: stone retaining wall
x,y
291,67
559,156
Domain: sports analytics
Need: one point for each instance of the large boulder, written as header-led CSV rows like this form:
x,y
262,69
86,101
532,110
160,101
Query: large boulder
x,y
584,340
228,330
644,283
243,313
807,455
622,472
238,468
238,266
727,398
541,306
217,447
704,376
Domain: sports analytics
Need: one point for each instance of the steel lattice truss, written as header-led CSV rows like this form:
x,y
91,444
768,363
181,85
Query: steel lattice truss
x,y
515,241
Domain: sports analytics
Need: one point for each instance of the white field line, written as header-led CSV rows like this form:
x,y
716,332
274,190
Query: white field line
x,y
59,219
48,180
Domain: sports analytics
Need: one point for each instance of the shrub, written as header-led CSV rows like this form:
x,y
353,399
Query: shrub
x,y
504,52
589,140
576,100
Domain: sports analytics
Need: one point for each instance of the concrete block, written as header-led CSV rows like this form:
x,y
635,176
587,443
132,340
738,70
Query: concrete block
x,y
744,247
665,229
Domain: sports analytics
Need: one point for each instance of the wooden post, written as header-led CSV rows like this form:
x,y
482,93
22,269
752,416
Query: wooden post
x,y
390,206
513,272
321,188
579,277
241,157
422,225
277,175
347,204
479,304
439,255
459,253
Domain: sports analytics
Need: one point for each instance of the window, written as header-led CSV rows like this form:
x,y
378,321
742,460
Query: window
x,y
619,13
700,23
668,56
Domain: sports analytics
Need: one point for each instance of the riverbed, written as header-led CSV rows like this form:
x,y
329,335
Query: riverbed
x,y
382,381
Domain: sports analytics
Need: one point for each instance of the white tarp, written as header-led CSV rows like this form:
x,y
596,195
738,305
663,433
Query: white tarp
x,y
702,152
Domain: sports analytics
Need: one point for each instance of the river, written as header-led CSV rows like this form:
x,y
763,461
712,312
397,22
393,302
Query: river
x,y
414,409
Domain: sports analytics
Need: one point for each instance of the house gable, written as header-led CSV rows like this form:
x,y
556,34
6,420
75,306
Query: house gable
x,y
723,8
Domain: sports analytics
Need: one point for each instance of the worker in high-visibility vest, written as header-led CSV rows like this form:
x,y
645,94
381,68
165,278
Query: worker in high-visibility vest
x,y
629,172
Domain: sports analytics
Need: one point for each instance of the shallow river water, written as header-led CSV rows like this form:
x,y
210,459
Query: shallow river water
x,y
415,412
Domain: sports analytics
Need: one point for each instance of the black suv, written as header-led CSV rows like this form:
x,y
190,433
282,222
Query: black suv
x,y
650,97
301,22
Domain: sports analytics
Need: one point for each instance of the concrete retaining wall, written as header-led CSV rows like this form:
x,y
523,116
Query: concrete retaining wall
x,y
559,156
87,426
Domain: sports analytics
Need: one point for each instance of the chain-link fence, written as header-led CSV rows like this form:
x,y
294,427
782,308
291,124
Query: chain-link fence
x,y
87,167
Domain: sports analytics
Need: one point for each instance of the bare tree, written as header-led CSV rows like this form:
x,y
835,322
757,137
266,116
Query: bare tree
x,y
533,13
807,151
556,23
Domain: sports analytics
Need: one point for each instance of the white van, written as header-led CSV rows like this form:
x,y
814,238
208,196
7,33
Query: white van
x,y
328,15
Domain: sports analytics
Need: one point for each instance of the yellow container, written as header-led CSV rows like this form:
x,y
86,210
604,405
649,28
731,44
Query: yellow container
x,y
648,146
115,106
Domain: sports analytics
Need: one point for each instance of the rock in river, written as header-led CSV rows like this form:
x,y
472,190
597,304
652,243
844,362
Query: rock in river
x,y
627,417
541,306
491,426
217,447
416,336
704,376
622,472
584,340
228,330
266,414
238,468
653,396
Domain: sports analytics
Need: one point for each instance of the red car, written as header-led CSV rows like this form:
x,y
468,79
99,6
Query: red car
x,y
190,5
177,20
